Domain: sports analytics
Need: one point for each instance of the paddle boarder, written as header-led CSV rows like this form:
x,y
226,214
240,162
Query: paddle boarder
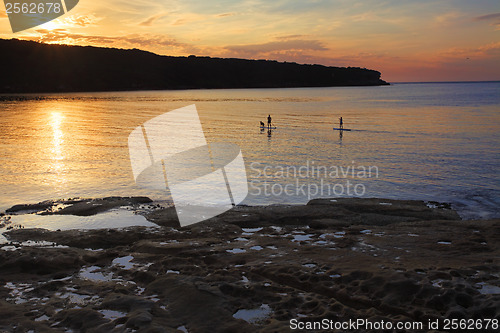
x,y
269,121
341,123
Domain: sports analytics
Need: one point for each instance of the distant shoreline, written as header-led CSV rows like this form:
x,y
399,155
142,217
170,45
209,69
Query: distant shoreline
x,y
49,68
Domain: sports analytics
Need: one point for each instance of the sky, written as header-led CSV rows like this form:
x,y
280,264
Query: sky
x,y
407,41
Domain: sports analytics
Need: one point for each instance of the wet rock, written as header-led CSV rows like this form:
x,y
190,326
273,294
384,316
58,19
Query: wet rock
x,y
78,207
343,259
81,319
139,320
127,303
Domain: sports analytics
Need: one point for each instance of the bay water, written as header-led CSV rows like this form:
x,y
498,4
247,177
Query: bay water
x,y
426,141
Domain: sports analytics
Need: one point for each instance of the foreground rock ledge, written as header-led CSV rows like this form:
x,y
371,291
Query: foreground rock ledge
x,y
343,259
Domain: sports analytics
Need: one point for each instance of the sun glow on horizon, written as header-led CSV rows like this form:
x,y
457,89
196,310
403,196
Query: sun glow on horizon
x,y
50,26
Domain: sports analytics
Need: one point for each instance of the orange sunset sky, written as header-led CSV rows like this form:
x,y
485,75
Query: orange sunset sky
x,y
426,40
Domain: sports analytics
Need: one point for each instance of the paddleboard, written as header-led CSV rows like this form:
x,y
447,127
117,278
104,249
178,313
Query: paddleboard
x,y
342,129
265,127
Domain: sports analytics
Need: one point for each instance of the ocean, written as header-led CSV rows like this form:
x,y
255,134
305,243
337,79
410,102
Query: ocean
x,y
426,141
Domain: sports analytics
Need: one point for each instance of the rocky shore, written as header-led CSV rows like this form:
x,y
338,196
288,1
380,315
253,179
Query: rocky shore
x,y
251,269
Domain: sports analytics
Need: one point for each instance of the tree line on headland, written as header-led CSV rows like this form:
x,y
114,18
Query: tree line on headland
x,y
31,67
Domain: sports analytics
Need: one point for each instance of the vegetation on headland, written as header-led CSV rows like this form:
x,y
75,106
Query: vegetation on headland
x,y
30,67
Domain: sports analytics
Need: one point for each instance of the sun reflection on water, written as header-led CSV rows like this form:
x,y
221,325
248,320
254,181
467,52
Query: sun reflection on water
x,y
57,135
56,168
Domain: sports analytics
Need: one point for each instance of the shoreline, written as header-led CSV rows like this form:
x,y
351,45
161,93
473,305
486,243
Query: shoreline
x,y
8,96
254,269
399,210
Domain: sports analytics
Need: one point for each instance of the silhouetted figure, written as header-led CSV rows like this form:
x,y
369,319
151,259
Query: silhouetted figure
x,y
269,121
262,124
341,123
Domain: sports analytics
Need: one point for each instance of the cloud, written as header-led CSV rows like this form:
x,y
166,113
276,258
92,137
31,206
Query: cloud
x,y
190,18
76,21
161,44
448,18
488,17
81,20
490,50
494,18
149,21
291,46
290,37
148,41
62,36
226,14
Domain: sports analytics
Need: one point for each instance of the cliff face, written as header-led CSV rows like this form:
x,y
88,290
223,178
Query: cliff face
x,y
34,67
